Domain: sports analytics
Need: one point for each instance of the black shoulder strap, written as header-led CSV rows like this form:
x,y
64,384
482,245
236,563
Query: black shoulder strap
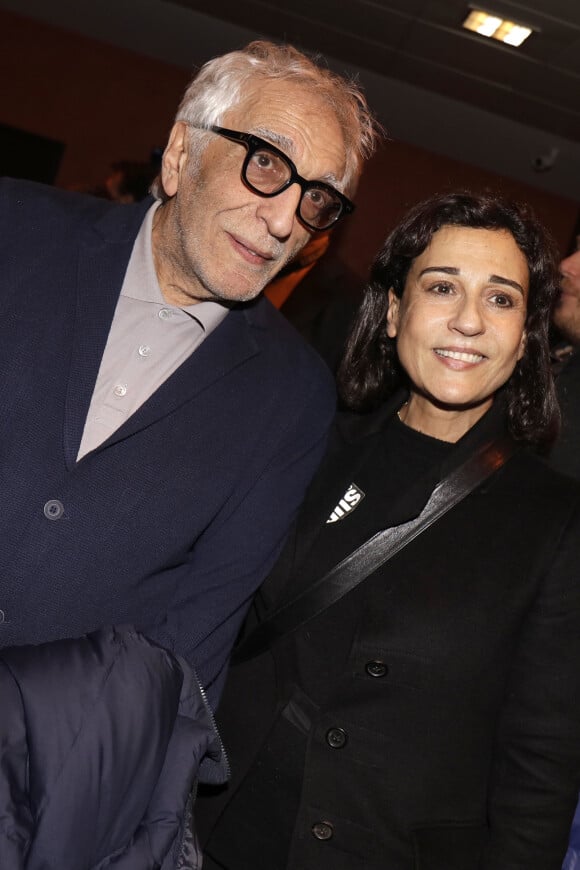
x,y
363,561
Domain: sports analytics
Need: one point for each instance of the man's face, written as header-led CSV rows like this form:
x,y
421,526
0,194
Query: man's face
x,y
216,239
567,311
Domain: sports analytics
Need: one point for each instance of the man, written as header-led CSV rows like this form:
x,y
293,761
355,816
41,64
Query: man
x,y
565,455
160,421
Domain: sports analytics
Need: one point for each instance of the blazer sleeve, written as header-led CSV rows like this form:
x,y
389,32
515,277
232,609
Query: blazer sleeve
x,y
536,773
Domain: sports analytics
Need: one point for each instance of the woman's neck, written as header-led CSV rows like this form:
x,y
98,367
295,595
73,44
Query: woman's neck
x,y
444,423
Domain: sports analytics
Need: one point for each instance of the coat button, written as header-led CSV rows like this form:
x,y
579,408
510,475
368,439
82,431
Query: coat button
x,y
53,509
2,616
376,669
322,830
336,738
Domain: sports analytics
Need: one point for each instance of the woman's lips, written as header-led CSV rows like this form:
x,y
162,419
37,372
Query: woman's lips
x,y
461,356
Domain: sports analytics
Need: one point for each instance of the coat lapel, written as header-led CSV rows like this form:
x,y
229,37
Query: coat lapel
x,y
353,439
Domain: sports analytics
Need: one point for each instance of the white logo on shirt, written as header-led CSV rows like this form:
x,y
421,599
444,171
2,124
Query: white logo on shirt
x,y
352,497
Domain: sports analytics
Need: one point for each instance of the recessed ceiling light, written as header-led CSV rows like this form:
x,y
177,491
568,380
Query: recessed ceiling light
x,y
487,24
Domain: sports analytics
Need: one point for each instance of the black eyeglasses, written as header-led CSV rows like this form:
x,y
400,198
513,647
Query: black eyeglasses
x,y
267,171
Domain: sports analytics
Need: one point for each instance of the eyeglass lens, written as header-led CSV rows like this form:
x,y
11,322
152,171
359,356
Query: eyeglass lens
x,y
267,172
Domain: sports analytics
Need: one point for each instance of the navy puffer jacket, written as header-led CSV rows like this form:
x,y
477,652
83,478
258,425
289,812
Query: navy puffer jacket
x,y
101,741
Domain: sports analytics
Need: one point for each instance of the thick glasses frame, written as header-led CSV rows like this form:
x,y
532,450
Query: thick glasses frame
x,y
255,143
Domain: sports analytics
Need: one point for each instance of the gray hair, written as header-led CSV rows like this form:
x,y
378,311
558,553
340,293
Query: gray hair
x,y
218,87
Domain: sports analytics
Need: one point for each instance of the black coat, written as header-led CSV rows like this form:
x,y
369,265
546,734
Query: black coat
x,y
459,701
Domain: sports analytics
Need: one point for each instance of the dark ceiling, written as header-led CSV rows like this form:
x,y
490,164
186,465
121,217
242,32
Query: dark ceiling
x,y
422,43
512,111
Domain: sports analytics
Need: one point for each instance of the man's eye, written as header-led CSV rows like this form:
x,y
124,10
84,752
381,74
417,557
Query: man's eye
x,y
266,162
316,197
263,160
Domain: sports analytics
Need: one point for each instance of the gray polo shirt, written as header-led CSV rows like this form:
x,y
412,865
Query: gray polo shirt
x,y
147,342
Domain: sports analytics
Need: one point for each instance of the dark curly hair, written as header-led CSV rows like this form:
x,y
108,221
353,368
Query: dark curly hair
x,y
370,369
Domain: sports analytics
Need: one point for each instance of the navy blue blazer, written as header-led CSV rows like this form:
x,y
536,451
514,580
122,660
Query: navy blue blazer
x,y
172,523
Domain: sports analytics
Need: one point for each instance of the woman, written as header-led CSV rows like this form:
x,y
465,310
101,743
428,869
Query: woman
x,y
430,718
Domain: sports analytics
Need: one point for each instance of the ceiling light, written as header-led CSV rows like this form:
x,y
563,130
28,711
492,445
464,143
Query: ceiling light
x,y
495,27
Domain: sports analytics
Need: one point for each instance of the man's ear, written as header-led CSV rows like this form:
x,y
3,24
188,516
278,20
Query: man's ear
x,y
393,314
174,157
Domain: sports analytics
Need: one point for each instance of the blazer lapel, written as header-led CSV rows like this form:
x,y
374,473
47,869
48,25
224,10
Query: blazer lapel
x,y
230,344
103,258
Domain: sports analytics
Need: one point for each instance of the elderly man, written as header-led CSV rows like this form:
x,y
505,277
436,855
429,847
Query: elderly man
x,y
565,455
160,421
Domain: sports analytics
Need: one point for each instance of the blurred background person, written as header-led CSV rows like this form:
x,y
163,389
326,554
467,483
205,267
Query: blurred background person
x,y
565,454
130,180
319,294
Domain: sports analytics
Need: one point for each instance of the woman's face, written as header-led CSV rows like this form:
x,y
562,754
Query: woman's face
x,y
460,324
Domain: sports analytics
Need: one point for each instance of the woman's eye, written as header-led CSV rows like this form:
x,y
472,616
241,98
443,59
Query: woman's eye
x,y
442,288
502,300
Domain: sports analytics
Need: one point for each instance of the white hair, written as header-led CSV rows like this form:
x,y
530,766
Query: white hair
x,y
219,85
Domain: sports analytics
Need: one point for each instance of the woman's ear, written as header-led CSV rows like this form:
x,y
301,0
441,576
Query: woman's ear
x,y
393,314
523,345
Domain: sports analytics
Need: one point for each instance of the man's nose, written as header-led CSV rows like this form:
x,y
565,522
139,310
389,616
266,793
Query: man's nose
x,y
571,265
279,212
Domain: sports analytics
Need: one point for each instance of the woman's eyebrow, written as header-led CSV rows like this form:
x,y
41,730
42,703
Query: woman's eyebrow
x,y
449,270
495,279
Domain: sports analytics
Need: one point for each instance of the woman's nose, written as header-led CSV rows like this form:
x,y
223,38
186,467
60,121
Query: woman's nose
x,y
467,317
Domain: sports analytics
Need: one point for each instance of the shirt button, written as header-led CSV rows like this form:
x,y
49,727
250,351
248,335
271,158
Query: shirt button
x,y
165,313
2,616
336,738
120,390
376,669
53,509
322,830
144,350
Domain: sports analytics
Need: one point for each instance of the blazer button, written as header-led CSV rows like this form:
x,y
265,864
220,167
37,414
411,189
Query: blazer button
x,y
336,738
53,509
2,616
322,830
376,669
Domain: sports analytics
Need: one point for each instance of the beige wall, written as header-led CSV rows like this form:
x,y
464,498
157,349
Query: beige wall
x,y
108,104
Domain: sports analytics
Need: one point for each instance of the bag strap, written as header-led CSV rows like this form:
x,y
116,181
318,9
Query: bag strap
x,y
363,561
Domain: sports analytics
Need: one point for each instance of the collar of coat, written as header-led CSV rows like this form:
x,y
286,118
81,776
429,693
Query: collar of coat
x,y
352,442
